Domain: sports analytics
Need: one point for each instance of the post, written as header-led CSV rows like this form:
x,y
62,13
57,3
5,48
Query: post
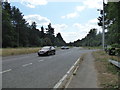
x,y
103,27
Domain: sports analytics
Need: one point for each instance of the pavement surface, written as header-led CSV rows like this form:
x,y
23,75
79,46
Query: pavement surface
x,y
86,75
31,71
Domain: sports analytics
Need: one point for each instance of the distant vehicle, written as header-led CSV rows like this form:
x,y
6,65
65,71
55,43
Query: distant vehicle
x,y
55,46
47,50
64,47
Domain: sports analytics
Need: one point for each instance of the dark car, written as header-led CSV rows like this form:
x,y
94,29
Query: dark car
x,y
64,47
47,50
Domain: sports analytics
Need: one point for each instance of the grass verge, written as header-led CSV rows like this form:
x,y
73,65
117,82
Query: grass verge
x,y
92,47
79,63
17,51
108,74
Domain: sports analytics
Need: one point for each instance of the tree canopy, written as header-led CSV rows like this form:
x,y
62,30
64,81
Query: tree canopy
x,y
112,22
91,39
16,32
112,25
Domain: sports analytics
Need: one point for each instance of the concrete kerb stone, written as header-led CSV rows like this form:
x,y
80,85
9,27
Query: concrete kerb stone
x,y
66,77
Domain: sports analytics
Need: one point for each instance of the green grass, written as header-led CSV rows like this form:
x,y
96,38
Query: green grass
x,y
101,56
107,72
93,47
17,51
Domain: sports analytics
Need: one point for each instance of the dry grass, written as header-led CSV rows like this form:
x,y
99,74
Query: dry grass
x,y
0,52
92,47
82,57
107,73
17,51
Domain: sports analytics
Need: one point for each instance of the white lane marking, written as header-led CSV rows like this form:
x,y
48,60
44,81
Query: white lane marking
x,y
69,73
69,81
6,71
70,69
41,60
27,64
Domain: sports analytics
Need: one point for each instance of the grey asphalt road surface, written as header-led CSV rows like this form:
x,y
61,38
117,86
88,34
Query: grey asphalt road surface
x,y
86,76
32,71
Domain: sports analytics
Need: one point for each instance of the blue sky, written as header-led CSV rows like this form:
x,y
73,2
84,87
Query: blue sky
x,y
72,18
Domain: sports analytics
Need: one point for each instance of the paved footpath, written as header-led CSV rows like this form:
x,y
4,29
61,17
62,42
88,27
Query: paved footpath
x,y
86,76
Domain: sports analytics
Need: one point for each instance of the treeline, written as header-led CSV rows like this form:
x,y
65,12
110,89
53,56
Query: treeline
x,y
112,27
16,32
112,23
91,39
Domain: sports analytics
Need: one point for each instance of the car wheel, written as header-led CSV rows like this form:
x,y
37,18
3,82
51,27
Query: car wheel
x,y
38,54
53,53
48,54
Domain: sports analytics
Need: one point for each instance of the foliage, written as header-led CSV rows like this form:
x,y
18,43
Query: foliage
x,y
112,25
112,21
92,39
16,32
108,74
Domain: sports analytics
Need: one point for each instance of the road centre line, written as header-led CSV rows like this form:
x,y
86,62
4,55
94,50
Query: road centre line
x,y
5,71
27,64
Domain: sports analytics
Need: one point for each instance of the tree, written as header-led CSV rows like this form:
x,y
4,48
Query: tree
x,y
112,22
50,33
91,39
42,32
50,30
7,29
20,27
18,33
33,25
47,42
100,23
59,40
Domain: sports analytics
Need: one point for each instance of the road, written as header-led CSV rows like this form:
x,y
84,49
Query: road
x,y
86,75
31,71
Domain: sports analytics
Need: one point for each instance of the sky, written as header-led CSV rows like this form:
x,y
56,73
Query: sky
x,y
72,18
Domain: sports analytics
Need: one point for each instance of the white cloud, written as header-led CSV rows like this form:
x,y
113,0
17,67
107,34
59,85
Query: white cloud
x,y
40,20
93,3
80,8
70,15
30,3
67,35
83,29
93,20
75,13
33,3
86,3
77,30
59,27
70,36
97,4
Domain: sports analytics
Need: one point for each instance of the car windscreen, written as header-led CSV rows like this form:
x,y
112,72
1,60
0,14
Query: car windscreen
x,y
45,48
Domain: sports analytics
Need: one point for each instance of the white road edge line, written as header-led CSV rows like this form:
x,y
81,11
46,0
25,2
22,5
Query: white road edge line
x,y
40,60
27,64
69,81
66,75
5,71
